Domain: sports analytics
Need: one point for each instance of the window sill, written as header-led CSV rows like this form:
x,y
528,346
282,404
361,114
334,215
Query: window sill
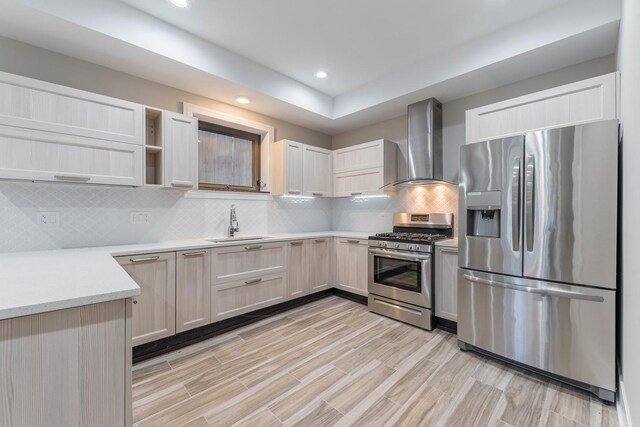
x,y
226,195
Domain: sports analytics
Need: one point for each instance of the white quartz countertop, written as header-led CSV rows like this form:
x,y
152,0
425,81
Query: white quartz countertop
x,y
38,282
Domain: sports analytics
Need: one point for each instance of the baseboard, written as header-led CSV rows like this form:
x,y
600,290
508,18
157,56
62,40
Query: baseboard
x,y
183,339
193,336
350,295
622,407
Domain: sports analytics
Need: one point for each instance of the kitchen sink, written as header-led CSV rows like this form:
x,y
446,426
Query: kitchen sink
x,y
235,239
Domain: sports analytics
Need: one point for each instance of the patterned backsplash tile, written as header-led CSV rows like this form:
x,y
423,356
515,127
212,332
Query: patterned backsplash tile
x,y
99,216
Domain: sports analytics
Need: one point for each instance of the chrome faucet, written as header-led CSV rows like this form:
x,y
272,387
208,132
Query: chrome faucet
x,y
233,222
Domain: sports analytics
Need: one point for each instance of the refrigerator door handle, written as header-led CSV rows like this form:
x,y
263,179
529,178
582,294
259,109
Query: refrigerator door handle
x,y
529,202
534,290
515,205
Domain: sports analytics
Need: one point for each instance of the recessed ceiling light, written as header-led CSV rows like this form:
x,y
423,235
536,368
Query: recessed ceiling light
x,y
321,74
180,3
243,100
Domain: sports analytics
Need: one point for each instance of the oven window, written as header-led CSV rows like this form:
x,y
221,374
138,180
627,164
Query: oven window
x,y
398,273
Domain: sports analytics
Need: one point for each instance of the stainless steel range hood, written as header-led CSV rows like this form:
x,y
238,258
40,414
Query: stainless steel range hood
x,y
424,143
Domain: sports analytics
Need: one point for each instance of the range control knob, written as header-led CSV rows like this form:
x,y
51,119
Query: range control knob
x,y
379,244
397,245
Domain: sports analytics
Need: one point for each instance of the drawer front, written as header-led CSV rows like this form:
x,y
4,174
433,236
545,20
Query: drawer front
x,y
566,330
38,105
46,156
252,260
358,183
232,299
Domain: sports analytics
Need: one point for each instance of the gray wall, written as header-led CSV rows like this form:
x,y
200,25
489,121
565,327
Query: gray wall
x,y
454,112
30,61
629,67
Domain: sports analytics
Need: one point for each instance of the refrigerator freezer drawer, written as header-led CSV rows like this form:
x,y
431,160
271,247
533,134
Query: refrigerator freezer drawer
x,y
564,330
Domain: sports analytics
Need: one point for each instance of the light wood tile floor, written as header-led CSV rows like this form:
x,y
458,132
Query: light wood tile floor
x,y
334,363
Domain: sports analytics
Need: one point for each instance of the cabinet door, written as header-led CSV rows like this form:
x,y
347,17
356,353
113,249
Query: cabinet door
x,y
316,171
154,310
446,285
297,270
46,156
41,106
293,167
352,265
193,289
181,151
319,261
362,156
364,182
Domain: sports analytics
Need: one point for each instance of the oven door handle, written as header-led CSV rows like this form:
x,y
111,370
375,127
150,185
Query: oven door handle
x,y
400,255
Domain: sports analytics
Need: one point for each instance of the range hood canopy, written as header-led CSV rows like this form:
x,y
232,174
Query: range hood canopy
x,y
424,143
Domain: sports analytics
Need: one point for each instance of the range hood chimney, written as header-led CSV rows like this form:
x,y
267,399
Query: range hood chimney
x,y
424,143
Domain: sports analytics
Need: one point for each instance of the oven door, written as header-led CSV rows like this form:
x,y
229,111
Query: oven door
x,y
402,276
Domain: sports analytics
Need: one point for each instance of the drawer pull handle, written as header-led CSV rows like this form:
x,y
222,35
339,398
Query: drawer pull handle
x,y
320,240
188,254
296,243
318,194
72,178
146,259
252,282
357,193
183,184
353,241
252,247
293,192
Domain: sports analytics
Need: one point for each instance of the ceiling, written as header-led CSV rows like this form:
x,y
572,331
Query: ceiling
x,y
380,55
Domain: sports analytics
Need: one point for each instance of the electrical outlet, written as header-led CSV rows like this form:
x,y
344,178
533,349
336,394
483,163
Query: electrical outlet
x,y
138,218
49,219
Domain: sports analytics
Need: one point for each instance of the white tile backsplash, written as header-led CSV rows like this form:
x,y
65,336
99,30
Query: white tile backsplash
x,y
376,214
99,216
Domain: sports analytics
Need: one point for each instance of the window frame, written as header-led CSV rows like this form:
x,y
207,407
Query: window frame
x,y
256,140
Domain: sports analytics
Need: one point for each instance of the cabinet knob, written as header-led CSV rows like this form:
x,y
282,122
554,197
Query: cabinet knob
x,y
135,301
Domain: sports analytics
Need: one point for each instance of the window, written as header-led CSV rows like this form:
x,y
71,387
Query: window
x,y
229,159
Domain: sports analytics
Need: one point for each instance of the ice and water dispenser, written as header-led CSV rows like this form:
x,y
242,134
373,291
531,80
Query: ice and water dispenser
x,y
483,213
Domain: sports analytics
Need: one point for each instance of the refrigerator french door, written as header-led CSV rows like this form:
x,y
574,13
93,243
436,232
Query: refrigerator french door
x,y
537,254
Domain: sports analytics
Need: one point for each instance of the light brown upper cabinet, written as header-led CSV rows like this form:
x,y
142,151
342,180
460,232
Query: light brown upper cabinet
x,y
316,171
181,151
300,169
154,310
54,133
365,169
581,102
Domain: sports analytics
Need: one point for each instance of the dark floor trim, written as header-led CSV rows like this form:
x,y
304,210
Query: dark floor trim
x,y
447,325
350,296
184,339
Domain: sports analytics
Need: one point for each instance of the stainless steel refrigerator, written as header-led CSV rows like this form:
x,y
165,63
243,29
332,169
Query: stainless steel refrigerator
x,y
537,258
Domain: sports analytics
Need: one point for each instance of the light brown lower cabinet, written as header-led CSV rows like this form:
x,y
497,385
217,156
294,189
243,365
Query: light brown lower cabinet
x,y
297,269
243,296
446,283
68,367
154,310
351,265
193,289
319,261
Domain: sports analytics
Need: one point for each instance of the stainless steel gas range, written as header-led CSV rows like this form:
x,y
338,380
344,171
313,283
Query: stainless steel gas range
x,y
401,267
